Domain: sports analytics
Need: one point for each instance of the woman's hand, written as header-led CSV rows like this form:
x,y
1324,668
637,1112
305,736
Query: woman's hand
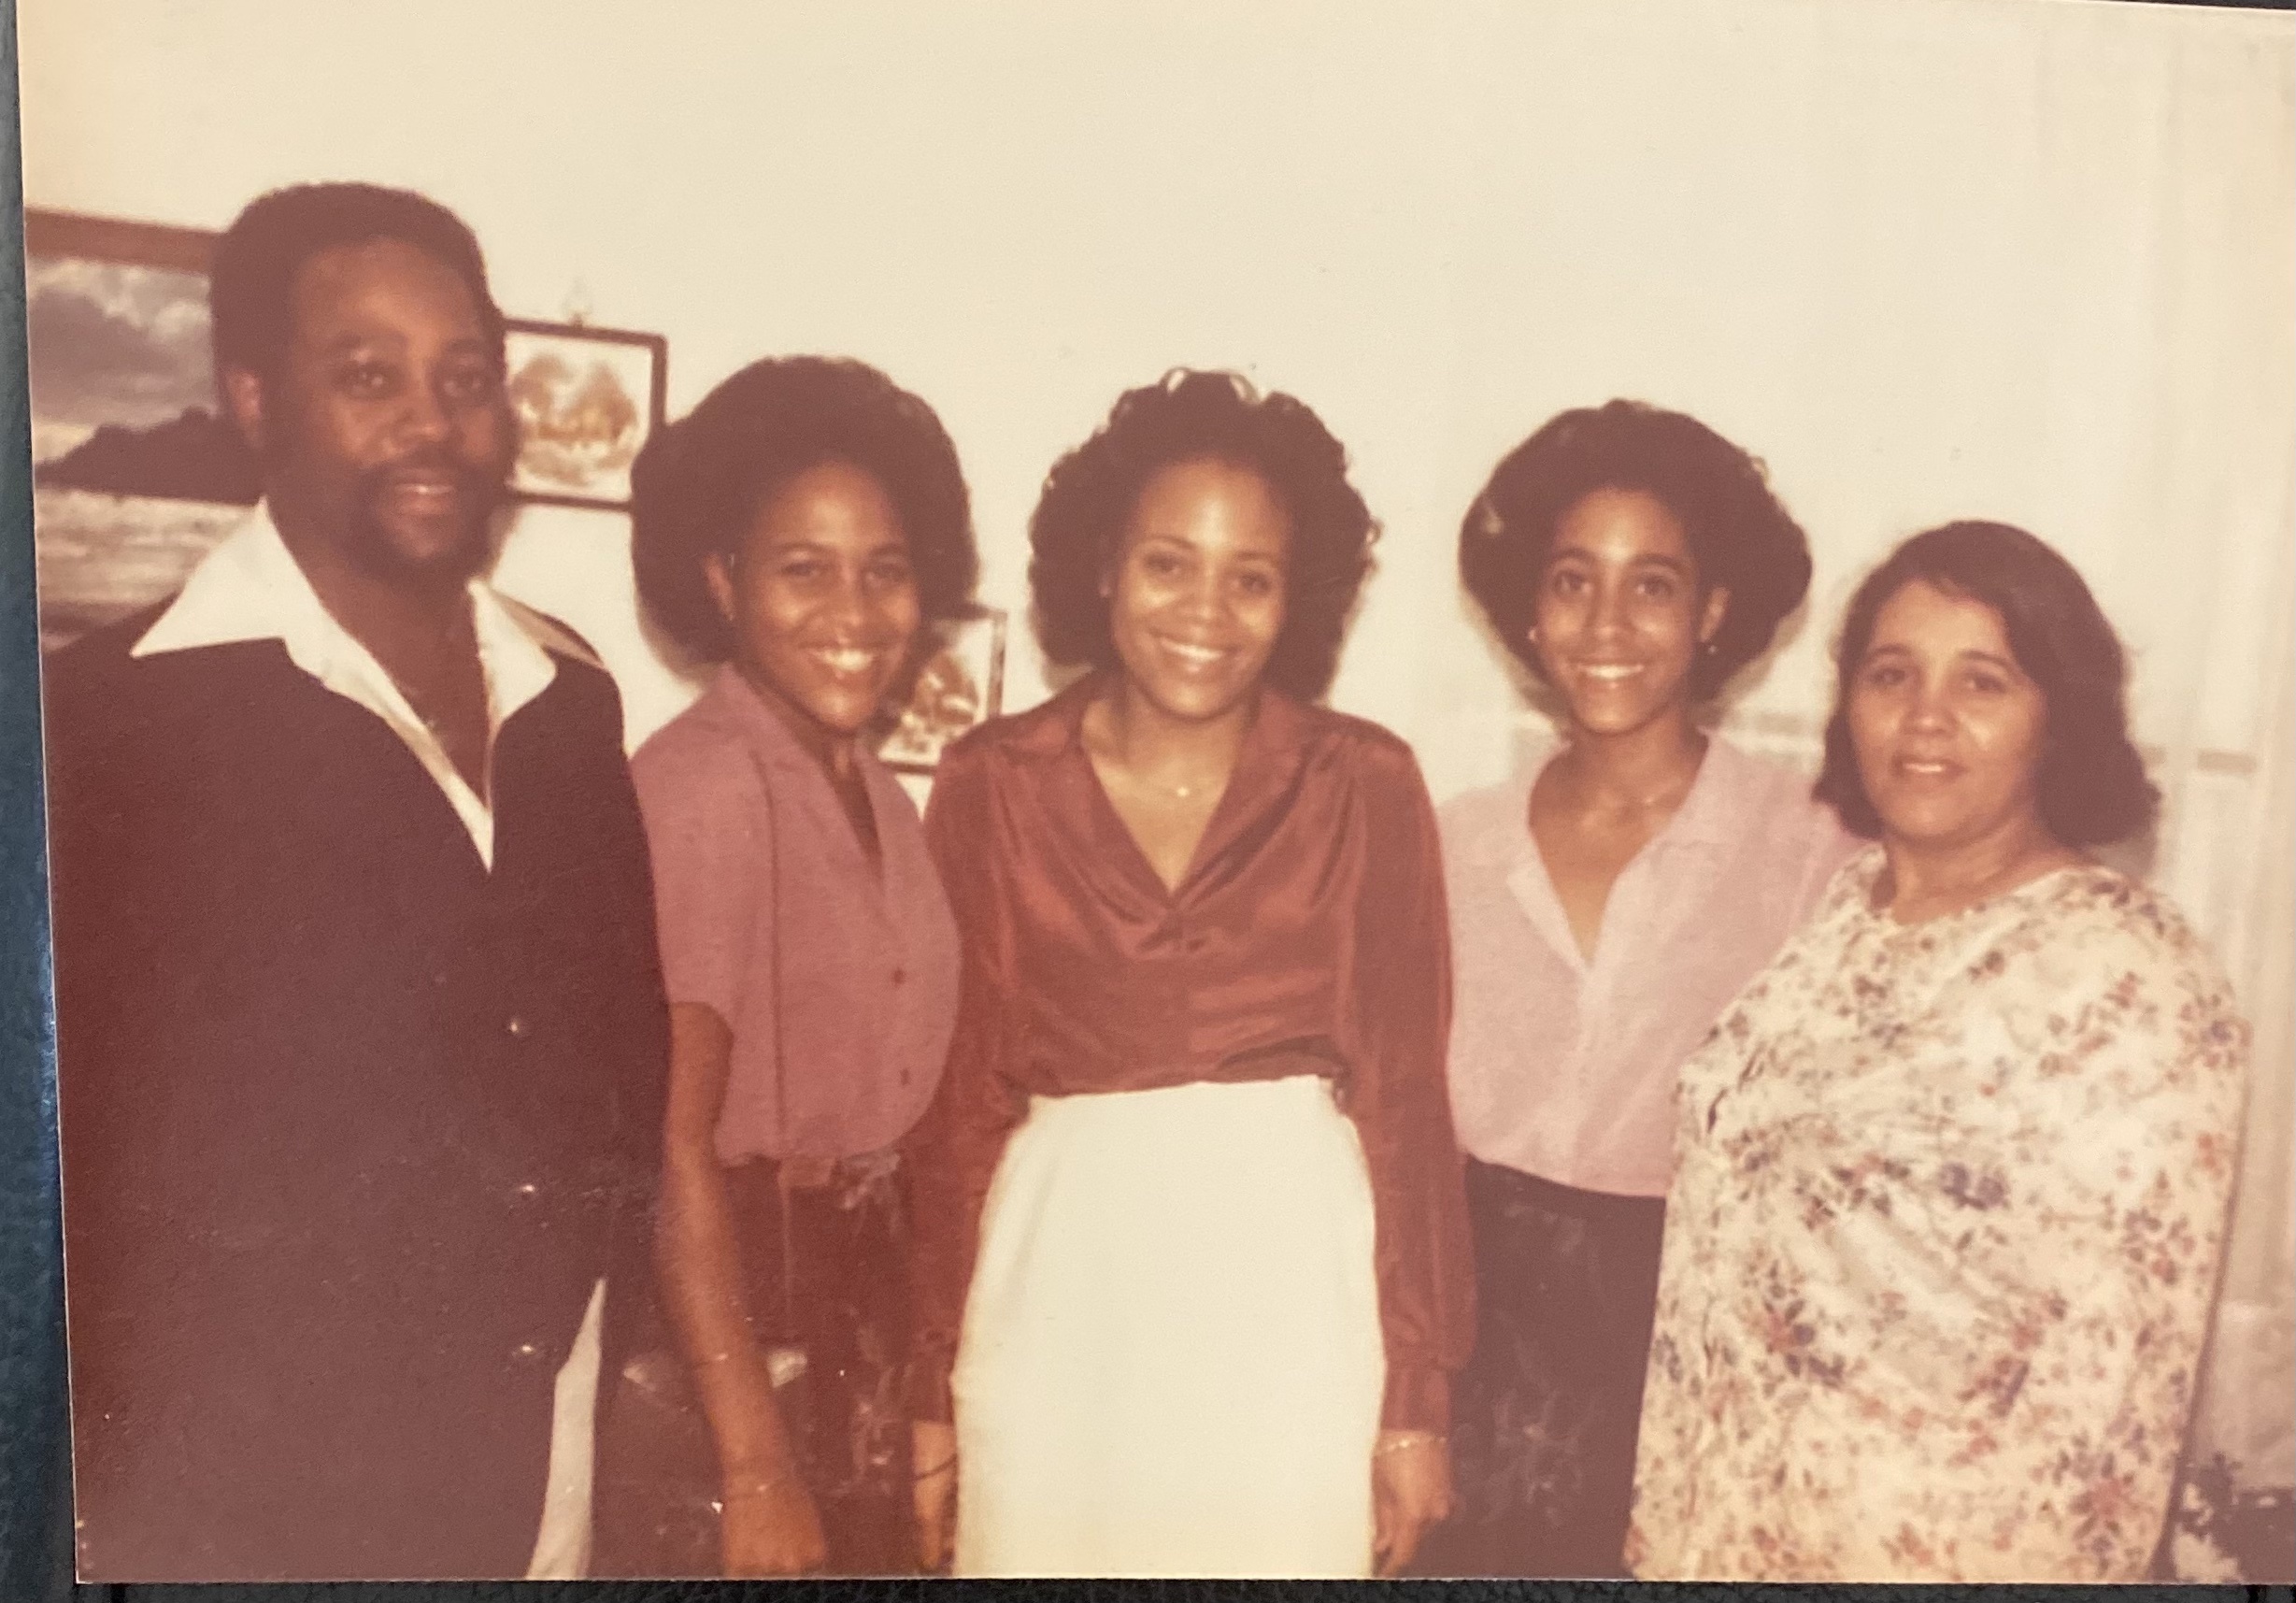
x,y
769,1526
1411,1490
933,1446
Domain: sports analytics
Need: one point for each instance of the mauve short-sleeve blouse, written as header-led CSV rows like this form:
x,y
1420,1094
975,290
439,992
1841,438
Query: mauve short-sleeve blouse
x,y
836,976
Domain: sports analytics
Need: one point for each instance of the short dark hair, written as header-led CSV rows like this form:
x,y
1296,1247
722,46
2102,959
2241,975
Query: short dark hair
x,y
699,483
251,278
2091,787
1741,538
1088,496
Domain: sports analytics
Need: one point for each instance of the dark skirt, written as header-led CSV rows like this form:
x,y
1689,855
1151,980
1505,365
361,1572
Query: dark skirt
x,y
1545,1414
827,1299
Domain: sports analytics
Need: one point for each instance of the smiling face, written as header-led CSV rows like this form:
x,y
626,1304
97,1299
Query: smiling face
x,y
385,434
1196,596
822,597
1620,615
1947,728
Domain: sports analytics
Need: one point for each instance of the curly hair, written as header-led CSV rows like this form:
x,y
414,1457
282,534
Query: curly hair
x,y
1077,529
251,279
699,484
2091,787
1741,538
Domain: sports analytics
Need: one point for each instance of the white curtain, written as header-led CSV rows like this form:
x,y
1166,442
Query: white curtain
x,y
2245,1424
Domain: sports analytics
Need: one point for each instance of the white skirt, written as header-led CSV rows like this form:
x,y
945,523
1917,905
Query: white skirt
x,y
1170,1362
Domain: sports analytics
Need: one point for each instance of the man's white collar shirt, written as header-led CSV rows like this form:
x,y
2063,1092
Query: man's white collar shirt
x,y
251,587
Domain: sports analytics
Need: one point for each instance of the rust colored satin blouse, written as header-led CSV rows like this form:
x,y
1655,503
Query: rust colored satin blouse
x,y
1308,937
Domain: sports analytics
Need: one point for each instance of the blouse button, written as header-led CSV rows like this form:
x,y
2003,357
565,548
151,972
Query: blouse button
x,y
900,975
519,1027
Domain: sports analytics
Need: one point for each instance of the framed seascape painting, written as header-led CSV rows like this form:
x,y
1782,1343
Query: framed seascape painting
x,y
134,473
587,400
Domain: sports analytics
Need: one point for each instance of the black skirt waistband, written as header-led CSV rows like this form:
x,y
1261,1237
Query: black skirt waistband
x,y
1504,1184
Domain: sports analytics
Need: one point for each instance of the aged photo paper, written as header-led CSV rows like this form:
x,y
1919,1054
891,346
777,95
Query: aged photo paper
x,y
380,1241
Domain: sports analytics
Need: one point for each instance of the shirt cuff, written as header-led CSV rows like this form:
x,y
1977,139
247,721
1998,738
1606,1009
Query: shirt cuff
x,y
926,1392
1418,1398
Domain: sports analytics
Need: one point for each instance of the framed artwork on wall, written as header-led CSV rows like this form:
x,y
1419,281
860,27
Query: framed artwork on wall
x,y
961,685
587,400
136,474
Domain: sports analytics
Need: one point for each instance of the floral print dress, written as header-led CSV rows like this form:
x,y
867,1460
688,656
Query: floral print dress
x,y
1942,1244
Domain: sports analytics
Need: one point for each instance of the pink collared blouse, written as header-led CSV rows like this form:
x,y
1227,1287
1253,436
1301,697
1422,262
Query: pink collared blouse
x,y
1563,1066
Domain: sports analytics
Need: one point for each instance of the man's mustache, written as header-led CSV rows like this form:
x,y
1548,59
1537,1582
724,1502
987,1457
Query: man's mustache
x,y
479,490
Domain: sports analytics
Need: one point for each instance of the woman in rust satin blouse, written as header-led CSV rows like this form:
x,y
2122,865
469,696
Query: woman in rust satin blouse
x,y
1192,1259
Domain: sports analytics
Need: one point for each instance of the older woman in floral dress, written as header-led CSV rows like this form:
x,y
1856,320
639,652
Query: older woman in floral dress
x,y
1953,1172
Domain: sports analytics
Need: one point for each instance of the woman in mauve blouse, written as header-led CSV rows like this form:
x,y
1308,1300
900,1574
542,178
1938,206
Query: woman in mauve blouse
x,y
1192,1259
1606,906
802,527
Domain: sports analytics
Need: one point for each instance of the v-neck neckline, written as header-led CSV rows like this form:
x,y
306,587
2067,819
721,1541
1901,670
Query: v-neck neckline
x,y
1532,867
824,795
1112,819
781,749
1255,773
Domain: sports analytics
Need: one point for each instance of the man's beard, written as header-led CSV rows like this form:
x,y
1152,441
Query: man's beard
x,y
370,543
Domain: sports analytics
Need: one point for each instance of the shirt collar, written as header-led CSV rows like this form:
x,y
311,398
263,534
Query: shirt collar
x,y
1267,764
251,587
1713,812
765,730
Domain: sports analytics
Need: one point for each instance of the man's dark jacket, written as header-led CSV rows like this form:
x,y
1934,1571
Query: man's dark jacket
x,y
351,1124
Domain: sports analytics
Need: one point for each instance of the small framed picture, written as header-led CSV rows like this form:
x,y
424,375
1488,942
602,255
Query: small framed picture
x,y
961,684
587,400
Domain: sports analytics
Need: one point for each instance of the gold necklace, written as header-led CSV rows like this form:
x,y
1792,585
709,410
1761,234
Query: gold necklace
x,y
1188,792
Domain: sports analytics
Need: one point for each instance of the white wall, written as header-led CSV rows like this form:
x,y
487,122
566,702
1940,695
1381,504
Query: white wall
x,y
1916,255
1929,259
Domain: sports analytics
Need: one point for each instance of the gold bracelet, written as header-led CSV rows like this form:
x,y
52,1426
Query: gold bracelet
x,y
1396,1441
942,1467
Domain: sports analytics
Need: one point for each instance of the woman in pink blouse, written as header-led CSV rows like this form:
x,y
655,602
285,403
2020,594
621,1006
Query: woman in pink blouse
x,y
805,526
1192,1251
1606,906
